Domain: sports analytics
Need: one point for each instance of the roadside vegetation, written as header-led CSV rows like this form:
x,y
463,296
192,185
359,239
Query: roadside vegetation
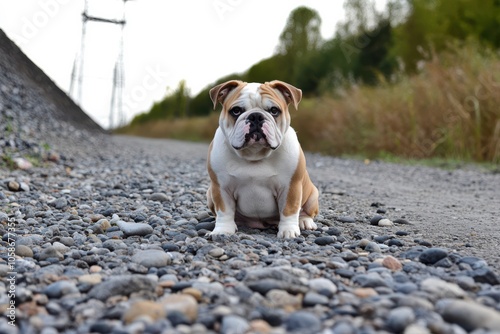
x,y
419,80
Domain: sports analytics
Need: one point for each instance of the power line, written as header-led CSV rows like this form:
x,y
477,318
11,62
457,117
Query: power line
x,y
77,76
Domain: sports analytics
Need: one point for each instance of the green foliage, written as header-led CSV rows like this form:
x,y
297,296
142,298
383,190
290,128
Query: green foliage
x,y
174,105
268,70
376,47
432,25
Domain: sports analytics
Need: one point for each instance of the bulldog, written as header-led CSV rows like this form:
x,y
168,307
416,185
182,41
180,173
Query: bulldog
x,y
256,165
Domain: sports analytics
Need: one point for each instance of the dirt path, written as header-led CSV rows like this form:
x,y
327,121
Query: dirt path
x,y
456,209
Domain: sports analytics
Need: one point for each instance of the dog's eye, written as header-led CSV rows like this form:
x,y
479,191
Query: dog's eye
x,y
236,111
274,111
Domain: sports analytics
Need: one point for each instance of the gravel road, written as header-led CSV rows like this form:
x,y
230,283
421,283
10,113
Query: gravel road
x,y
111,238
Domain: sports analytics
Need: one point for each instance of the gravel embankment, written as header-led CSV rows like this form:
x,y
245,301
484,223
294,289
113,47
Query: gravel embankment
x,y
115,242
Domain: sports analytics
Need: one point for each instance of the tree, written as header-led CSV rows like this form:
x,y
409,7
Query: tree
x,y
300,37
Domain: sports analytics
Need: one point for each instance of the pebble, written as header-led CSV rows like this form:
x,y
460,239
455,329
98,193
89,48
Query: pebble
x,y
278,298
390,262
441,289
183,303
50,252
131,229
144,309
216,252
152,258
373,247
313,298
121,286
399,318
385,222
432,255
322,241
301,322
159,197
13,186
234,324
323,286
345,219
59,203
376,219
60,288
469,315
91,279
24,251
365,292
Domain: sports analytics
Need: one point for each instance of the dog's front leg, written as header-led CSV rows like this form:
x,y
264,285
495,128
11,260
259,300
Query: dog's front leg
x,y
225,211
289,226
289,212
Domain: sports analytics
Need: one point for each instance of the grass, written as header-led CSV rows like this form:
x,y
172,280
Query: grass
x,y
449,110
193,129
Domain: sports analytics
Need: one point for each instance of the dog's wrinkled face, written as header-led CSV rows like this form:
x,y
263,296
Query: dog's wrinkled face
x,y
254,116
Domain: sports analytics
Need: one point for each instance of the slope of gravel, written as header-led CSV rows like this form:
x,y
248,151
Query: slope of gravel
x,y
115,242
38,121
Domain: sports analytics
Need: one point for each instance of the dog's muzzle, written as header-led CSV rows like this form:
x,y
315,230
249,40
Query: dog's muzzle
x,y
255,120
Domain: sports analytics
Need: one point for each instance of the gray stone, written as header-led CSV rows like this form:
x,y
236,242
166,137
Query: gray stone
x,y
3,217
373,247
234,324
313,298
469,315
129,229
385,222
399,318
24,251
323,286
438,288
302,322
322,241
370,280
67,241
59,203
216,252
60,288
432,255
343,327
114,244
152,258
159,197
50,252
60,247
122,286
345,219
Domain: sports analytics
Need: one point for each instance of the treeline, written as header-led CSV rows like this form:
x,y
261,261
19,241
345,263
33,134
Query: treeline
x,y
369,47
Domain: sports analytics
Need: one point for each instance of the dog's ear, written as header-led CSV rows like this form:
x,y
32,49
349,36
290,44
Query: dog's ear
x,y
221,91
291,93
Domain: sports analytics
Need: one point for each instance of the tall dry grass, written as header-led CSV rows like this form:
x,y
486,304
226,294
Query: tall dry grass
x,y
450,109
194,129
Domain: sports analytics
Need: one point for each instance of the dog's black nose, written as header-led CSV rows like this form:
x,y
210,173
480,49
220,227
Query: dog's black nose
x,y
256,120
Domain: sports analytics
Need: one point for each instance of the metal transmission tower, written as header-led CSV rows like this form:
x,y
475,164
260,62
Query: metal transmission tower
x,y
116,107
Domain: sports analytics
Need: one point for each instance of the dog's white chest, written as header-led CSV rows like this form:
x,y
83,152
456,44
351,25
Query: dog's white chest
x,y
256,195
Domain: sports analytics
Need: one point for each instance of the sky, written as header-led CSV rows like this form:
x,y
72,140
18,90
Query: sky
x,y
165,42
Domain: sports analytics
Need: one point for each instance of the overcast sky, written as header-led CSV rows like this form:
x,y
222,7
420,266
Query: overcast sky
x,y
165,42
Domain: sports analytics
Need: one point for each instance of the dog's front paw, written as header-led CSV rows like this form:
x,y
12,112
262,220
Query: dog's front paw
x,y
307,223
226,229
288,230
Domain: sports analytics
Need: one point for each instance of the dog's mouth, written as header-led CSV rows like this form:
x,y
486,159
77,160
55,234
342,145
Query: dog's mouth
x,y
256,133
256,138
